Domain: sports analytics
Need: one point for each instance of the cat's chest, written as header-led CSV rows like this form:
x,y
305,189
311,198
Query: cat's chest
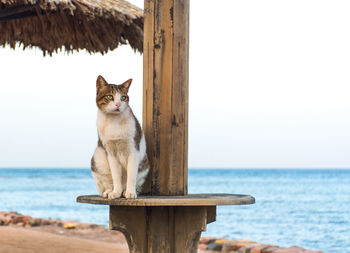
x,y
115,131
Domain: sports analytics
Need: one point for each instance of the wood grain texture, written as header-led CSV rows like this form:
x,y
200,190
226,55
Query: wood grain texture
x,y
160,229
211,214
187,200
132,222
148,91
165,108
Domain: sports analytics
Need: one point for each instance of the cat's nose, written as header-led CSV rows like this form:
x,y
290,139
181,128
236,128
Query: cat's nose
x,y
117,104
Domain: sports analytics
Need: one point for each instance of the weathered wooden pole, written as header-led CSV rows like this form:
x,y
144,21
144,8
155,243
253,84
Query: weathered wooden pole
x,y
165,94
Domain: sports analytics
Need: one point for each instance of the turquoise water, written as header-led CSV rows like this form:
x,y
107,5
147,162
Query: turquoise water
x,y
308,208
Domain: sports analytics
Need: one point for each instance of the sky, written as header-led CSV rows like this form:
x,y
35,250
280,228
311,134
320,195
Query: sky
x,y
281,100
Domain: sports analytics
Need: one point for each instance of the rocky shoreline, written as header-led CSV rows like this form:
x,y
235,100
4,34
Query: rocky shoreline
x,y
223,245
100,233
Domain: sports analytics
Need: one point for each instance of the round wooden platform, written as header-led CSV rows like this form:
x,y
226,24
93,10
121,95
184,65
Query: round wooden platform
x,y
187,200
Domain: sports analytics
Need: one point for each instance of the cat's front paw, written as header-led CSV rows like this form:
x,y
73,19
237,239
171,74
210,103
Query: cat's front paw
x,y
114,195
105,193
130,194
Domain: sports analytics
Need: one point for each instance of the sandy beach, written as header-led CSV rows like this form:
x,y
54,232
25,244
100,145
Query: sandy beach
x,y
27,240
26,234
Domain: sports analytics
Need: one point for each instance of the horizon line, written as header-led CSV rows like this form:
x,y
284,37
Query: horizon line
x,y
193,168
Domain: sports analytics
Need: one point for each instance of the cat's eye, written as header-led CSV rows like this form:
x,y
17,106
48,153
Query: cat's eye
x,y
123,98
110,97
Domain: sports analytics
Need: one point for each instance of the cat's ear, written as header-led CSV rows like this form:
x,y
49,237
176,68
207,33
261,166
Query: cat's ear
x,y
100,82
126,84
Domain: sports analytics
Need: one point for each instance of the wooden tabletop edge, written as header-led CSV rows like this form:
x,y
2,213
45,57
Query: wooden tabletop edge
x,y
188,200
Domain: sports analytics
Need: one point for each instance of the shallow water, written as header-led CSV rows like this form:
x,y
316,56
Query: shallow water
x,y
308,208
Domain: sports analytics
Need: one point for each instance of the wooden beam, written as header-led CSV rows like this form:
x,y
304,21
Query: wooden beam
x,y
165,97
208,200
160,229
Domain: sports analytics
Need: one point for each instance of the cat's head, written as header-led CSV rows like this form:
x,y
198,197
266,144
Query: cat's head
x,y
111,98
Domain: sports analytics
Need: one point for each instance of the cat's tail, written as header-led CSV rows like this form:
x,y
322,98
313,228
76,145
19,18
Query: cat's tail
x,y
141,178
142,173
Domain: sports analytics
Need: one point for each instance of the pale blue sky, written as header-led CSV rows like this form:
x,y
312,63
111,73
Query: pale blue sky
x,y
280,70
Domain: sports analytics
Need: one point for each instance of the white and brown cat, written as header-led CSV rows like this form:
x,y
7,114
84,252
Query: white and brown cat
x,y
119,164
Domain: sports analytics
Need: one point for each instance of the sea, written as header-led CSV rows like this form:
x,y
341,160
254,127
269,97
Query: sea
x,y
304,207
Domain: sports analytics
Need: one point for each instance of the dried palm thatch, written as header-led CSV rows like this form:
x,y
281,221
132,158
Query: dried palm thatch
x,y
52,25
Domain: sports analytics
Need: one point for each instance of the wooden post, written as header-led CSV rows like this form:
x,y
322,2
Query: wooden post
x,y
161,229
165,95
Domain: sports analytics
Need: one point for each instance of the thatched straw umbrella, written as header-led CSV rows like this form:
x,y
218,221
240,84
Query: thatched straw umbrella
x,y
94,25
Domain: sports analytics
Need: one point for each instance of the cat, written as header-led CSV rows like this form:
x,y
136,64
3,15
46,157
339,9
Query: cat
x,y
119,164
